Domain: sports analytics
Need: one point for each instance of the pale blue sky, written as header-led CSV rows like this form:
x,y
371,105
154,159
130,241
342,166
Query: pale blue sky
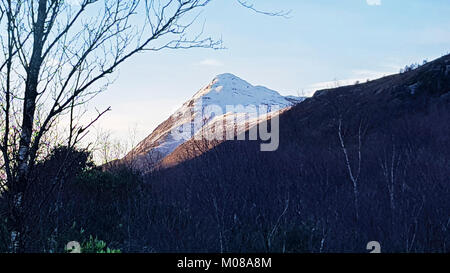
x,y
323,41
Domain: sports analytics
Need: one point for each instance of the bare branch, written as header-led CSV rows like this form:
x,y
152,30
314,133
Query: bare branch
x,y
280,13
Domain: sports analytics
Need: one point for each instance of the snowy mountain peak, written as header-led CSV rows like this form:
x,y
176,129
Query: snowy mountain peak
x,y
223,91
226,82
229,80
228,89
227,76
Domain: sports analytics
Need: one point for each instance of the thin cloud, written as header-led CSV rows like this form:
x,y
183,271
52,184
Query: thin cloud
x,y
360,76
211,62
334,84
373,2
371,74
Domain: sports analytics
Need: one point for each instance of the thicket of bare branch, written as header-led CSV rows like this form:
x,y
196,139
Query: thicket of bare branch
x,y
56,56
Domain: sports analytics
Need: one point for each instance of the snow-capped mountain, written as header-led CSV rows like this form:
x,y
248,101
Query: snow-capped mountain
x,y
227,94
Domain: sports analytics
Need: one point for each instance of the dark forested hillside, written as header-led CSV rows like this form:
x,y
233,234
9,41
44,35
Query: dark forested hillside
x,y
368,162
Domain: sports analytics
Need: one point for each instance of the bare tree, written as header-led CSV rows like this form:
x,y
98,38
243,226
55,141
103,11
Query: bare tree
x,y
58,54
389,165
354,172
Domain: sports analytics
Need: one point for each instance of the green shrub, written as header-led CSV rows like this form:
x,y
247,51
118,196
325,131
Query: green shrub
x,y
94,245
